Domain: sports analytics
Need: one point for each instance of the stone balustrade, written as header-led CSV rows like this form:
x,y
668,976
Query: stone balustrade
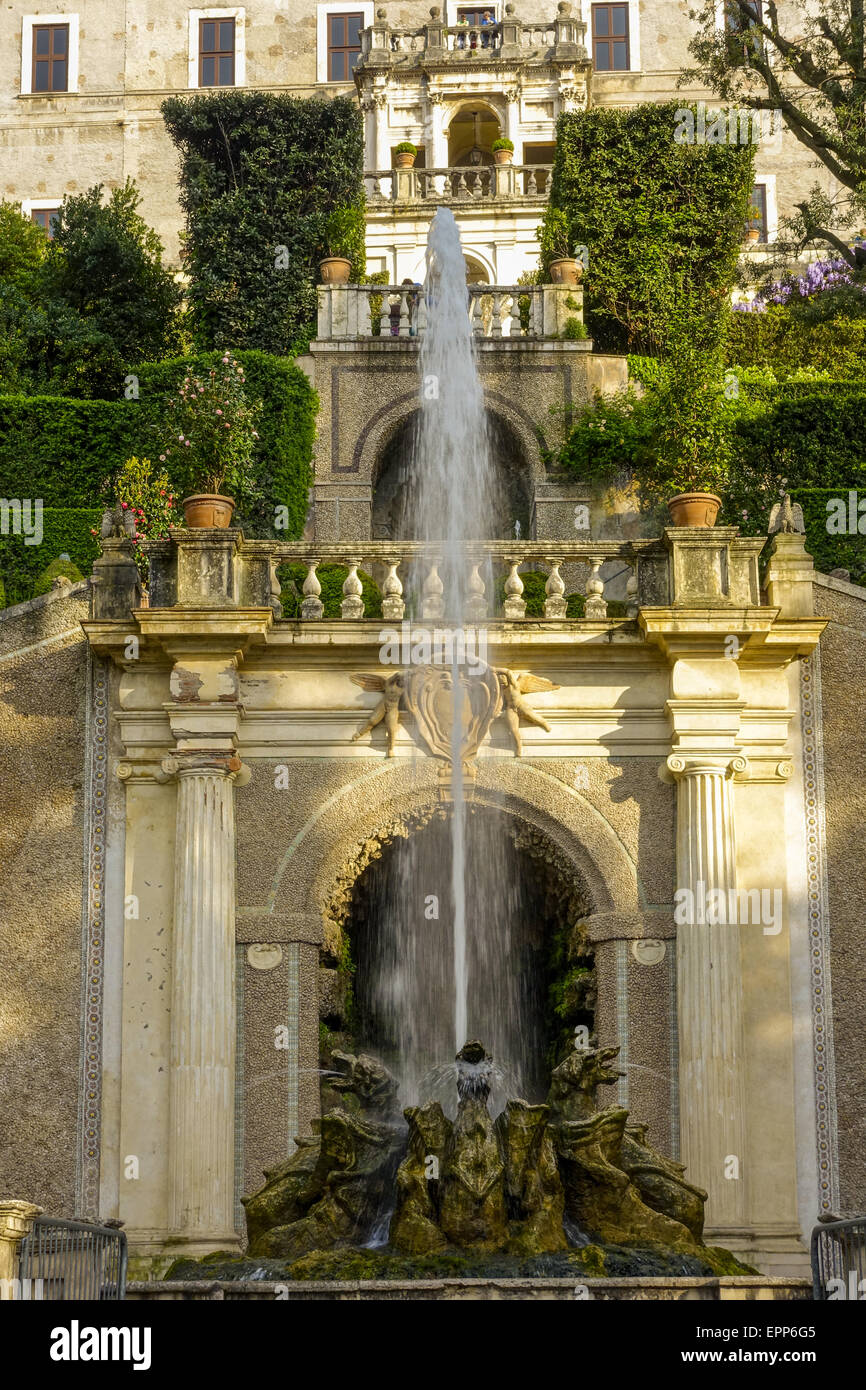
x,y
383,44
461,183
400,311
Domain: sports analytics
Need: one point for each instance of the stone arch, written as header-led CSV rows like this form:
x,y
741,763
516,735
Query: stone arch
x,y
462,131
350,827
385,423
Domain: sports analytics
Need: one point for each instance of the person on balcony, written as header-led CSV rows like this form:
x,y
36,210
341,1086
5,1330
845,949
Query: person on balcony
x,y
486,39
462,23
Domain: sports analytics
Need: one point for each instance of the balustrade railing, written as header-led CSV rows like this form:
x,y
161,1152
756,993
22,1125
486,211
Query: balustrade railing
x,y
409,578
458,183
400,311
505,39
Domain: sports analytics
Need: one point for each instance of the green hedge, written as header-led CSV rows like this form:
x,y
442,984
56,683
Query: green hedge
x,y
62,450
662,221
65,531
785,343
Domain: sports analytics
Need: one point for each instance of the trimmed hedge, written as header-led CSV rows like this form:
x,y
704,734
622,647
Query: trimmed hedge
x,y
65,531
63,450
779,340
662,222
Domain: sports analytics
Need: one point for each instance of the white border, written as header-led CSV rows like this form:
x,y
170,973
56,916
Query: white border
x,y
366,7
29,205
28,23
238,14
633,37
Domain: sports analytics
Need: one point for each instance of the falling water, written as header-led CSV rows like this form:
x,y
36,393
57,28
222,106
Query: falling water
x,y
431,982
454,471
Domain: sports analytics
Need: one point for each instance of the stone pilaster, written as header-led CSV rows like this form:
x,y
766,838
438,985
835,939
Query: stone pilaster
x,y
203,1025
16,1222
712,1079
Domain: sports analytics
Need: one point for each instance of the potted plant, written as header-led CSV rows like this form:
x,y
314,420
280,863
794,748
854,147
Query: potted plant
x,y
344,231
692,435
404,154
503,151
213,439
556,249
753,233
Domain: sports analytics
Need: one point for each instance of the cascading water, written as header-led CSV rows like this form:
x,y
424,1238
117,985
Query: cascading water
x,y
435,981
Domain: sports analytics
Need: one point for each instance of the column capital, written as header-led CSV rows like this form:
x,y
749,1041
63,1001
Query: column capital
x,y
680,765
202,763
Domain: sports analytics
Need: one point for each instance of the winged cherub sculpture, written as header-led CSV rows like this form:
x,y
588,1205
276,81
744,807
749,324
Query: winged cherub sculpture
x,y
388,709
514,685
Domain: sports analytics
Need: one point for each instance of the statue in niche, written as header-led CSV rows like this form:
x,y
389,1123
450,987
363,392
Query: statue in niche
x,y
427,694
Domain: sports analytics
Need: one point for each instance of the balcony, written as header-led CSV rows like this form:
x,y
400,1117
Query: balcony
x,y
436,44
389,312
461,184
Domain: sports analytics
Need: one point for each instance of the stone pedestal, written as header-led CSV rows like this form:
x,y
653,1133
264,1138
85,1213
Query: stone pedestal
x,y
16,1222
203,1028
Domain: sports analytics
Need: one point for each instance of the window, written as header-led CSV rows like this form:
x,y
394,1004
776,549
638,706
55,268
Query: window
x,y
758,222
45,218
610,46
50,58
741,39
216,53
344,45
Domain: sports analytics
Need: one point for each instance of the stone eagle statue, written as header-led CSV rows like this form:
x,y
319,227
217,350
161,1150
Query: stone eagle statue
x,y
786,518
117,523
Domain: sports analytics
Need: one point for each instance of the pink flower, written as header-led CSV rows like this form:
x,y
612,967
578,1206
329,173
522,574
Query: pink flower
x,y
219,412
162,460
187,443
124,505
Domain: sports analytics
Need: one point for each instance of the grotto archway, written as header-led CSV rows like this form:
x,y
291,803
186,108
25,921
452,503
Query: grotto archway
x,y
395,507
529,962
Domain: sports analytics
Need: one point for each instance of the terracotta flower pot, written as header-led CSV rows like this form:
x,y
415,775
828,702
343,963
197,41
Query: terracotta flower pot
x,y
694,508
565,271
208,509
753,234
403,159
335,270
503,156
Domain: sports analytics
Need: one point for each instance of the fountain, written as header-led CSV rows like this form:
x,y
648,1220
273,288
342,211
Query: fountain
x,y
560,1180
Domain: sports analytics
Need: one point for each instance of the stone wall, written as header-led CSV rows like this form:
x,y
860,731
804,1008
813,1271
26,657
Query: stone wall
x,y
843,655
43,695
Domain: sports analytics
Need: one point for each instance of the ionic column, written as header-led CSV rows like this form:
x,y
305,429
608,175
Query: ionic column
x,y
203,1025
709,987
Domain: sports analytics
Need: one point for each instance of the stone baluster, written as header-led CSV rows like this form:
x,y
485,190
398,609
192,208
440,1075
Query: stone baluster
x,y
632,600
203,1025
476,599
385,314
515,603
554,589
393,606
432,603
312,607
421,314
531,183
496,320
709,987
352,605
460,190
596,604
404,314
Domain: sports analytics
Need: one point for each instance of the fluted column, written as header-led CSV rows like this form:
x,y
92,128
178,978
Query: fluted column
x,y
709,987
203,1025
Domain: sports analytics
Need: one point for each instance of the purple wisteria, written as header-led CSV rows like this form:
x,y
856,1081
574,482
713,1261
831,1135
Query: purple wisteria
x,y
820,276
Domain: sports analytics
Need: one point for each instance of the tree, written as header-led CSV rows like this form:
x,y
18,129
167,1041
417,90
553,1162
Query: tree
x,y
810,64
22,249
105,263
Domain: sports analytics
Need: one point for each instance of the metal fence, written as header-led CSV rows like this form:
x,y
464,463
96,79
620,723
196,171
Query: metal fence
x,y
839,1260
73,1259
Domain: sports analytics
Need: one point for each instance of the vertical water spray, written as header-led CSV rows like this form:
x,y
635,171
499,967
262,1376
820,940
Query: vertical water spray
x,y
454,501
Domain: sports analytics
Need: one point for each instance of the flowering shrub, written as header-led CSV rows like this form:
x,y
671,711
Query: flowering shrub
x,y
822,278
147,494
211,434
